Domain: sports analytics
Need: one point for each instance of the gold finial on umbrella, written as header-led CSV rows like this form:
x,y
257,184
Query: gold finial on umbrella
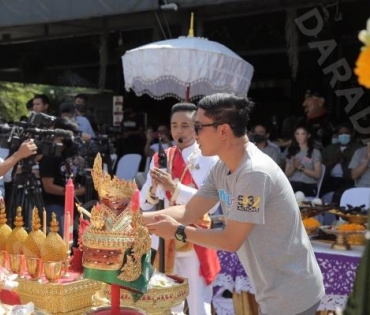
x,y
191,29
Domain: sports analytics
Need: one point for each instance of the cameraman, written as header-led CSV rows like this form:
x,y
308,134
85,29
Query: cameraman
x,y
54,173
26,149
152,145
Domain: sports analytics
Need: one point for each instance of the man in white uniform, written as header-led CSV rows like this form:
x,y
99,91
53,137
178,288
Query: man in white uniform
x,y
186,171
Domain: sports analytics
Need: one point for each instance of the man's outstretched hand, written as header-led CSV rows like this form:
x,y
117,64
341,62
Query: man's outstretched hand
x,y
26,149
164,226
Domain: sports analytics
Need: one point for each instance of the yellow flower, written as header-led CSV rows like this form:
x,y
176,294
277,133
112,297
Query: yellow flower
x,y
364,35
363,67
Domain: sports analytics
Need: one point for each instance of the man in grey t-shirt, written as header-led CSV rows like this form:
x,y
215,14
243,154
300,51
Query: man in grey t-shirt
x,y
263,222
360,166
260,138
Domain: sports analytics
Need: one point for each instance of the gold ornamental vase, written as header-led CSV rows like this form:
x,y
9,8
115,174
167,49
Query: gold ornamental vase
x,y
53,270
35,267
17,264
4,259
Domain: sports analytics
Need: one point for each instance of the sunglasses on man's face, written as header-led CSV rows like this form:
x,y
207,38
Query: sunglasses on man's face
x,y
198,126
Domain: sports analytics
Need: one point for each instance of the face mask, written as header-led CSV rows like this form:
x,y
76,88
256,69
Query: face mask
x,y
334,140
344,139
258,138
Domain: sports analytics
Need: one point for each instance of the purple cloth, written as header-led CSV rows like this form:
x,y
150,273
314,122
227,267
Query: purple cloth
x,y
339,271
231,266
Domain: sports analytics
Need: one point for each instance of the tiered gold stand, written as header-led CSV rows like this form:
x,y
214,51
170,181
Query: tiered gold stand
x,y
69,298
157,301
354,239
341,242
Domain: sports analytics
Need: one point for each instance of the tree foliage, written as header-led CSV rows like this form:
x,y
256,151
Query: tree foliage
x,y
14,97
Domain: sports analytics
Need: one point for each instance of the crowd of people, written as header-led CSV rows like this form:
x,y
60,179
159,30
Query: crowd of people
x,y
217,161
51,170
316,141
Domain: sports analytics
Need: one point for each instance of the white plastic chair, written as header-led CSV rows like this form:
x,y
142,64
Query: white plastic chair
x,y
319,184
147,165
355,197
128,166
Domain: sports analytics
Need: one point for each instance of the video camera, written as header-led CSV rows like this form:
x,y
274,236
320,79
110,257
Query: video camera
x,y
13,135
100,144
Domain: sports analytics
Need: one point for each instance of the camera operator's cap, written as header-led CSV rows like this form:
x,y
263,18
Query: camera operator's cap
x,y
315,91
67,108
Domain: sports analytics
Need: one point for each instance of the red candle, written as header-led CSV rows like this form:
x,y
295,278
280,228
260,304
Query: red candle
x,y
69,209
135,201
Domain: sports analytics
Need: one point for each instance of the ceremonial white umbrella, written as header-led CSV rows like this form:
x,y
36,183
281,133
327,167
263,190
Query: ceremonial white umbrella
x,y
185,68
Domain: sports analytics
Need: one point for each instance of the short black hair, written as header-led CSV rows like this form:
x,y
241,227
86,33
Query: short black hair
x,y
66,124
82,96
29,104
347,125
43,97
262,124
183,107
67,107
225,108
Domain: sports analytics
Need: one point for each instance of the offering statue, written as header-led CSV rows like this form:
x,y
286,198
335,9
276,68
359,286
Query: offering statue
x,y
116,245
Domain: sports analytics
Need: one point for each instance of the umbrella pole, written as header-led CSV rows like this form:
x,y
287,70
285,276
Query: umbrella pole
x,y
187,94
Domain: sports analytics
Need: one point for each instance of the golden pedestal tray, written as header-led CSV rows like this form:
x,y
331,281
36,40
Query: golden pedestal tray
x,y
71,297
308,211
158,301
341,242
351,218
356,239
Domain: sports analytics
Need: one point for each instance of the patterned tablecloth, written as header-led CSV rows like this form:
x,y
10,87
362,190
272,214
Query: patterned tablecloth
x,y
338,268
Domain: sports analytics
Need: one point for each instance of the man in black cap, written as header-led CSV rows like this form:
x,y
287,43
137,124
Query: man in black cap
x,y
317,117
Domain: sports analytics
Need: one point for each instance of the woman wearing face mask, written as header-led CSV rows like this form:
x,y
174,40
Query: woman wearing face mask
x,y
337,157
303,163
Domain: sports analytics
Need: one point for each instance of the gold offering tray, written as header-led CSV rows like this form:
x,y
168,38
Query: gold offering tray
x,y
308,211
158,301
341,242
351,218
63,298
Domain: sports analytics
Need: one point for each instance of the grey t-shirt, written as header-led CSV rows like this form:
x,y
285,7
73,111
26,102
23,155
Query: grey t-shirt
x,y
277,254
308,163
272,152
357,159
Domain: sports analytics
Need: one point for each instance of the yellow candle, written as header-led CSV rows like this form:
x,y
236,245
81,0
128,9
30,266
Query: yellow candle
x,y
44,221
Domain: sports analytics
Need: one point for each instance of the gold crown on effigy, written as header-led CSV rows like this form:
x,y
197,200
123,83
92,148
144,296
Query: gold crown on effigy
x,y
108,187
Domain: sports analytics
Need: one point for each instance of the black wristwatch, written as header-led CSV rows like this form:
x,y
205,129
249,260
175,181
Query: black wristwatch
x,y
180,234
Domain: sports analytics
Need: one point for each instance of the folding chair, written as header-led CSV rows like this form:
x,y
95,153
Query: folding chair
x,y
128,166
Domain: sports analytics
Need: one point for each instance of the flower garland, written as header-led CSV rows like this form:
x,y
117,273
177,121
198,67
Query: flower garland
x,y
363,62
